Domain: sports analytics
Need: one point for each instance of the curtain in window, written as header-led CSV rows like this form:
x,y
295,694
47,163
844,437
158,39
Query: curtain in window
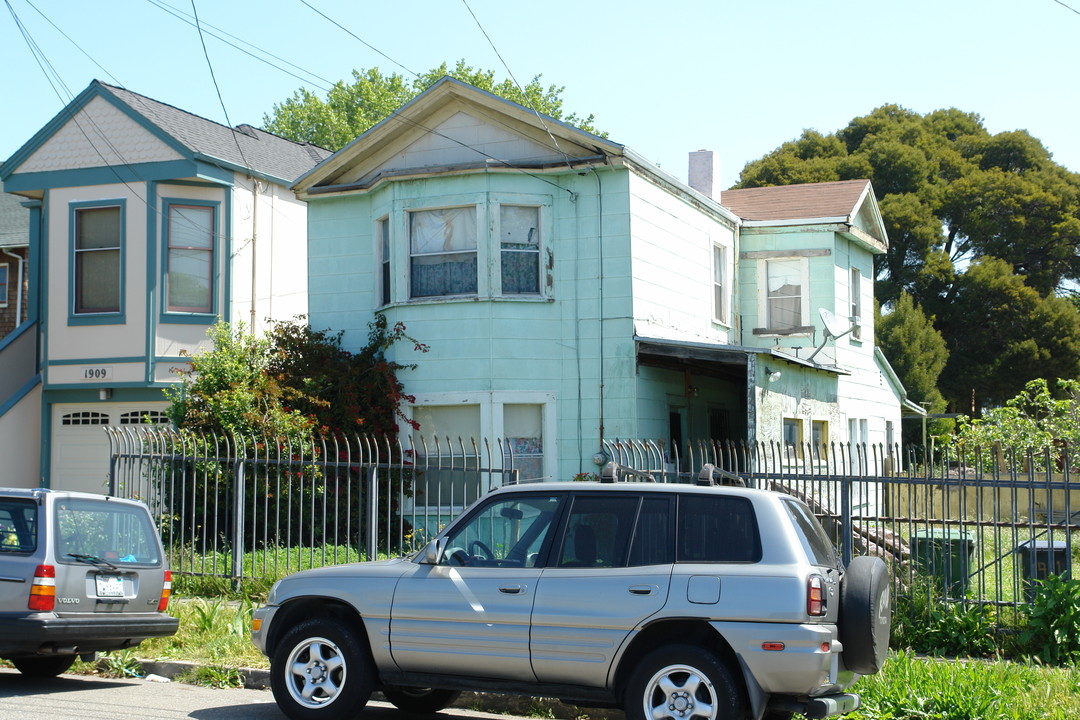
x,y
520,245
785,294
443,248
191,251
97,260
523,428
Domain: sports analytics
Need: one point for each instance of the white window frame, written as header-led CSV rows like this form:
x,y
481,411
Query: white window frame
x,y
497,240
720,283
764,315
479,224
855,291
491,416
384,253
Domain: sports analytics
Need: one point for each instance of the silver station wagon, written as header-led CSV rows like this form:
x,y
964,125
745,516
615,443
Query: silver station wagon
x,y
670,601
79,573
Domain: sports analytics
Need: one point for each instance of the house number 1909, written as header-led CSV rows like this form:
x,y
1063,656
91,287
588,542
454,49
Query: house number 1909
x,y
97,373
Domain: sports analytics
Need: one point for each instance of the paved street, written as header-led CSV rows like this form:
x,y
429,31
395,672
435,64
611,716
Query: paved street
x,y
93,698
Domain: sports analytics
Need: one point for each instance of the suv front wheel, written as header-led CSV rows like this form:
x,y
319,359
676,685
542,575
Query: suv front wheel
x,y
321,671
681,682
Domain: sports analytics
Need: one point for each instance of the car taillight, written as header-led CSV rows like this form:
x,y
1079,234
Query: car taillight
x,y
43,590
816,605
166,591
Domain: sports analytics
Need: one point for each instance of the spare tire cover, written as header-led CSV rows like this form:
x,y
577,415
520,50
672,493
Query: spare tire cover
x,y
865,614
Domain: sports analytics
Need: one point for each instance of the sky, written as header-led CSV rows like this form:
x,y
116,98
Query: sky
x,y
664,78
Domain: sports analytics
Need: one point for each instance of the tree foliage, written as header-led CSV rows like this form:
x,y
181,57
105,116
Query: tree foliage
x,y
1041,419
292,383
983,229
350,109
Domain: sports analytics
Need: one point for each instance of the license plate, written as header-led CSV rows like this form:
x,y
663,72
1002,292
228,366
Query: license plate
x,y
109,586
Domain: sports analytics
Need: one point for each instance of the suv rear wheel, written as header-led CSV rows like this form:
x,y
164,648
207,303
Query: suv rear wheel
x,y
43,667
865,614
680,682
321,671
420,700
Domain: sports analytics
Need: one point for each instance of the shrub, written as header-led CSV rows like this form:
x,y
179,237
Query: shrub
x,y
1053,631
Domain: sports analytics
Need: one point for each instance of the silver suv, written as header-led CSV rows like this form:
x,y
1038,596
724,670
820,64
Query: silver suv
x,y
670,601
79,573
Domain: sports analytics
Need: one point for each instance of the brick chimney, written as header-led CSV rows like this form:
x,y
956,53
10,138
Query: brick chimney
x,y
704,173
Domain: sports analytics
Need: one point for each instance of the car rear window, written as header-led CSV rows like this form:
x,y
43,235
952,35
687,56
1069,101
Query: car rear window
x,y
717,529
18,525
114,532
819,549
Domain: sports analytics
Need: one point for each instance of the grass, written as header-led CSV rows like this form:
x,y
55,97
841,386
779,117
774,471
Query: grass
x,y
936,689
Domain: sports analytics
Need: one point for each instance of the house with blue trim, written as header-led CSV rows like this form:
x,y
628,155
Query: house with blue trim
x,y
573,293
146,225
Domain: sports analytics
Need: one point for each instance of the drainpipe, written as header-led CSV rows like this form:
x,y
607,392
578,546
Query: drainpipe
x,y
254,254
19,286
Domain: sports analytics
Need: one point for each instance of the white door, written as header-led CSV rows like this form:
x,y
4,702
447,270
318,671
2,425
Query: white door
x,y
80,447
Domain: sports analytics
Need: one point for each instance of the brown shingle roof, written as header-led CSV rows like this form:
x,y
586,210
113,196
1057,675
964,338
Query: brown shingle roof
x,y
794,202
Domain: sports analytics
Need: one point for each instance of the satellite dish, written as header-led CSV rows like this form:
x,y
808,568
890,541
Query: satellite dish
x,y
835,327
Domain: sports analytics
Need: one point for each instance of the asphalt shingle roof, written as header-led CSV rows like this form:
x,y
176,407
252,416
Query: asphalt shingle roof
x,y
794,202
14,220
245,146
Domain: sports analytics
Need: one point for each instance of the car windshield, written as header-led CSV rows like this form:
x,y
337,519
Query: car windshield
x,y
102,532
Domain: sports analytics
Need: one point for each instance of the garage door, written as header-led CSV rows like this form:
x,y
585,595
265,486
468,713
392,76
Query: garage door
x,y
80,447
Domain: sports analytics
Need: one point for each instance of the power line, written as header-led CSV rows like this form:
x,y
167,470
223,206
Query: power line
x,y
184,17
517,84
217,88
77,46
1067,7
365,42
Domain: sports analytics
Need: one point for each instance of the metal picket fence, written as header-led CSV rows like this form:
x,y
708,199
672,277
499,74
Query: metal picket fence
x,y
975,528
249,507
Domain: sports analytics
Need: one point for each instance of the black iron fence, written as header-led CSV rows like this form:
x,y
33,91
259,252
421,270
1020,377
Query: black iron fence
x,y
979,527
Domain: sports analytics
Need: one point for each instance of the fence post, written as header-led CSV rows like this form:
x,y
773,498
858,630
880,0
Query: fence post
x,y
845,519
238,521
373,513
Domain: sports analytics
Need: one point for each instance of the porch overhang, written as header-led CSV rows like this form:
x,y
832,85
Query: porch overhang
x,y
721,361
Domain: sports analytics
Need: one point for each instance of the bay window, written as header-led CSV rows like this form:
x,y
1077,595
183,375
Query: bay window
x,y
190,258
442,249
519,243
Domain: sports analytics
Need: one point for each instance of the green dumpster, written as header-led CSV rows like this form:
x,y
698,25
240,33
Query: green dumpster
x,y
945,554
1041,558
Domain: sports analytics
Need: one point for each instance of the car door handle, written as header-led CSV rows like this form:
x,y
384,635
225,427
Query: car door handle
x,y
643,589
512,589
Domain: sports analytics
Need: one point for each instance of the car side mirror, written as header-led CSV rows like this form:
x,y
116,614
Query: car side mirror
x,y
433,552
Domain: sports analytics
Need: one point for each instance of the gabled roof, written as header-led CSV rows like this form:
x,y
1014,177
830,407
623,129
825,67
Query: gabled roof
x,y
848,202
244,149
437,132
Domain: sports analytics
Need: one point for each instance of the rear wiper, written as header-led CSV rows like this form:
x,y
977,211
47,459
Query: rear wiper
x,y
92,559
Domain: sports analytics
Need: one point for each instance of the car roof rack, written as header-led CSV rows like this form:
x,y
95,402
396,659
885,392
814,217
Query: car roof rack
x,y
712,475
614,472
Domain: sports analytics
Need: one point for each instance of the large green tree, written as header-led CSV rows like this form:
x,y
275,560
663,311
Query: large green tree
x,y
984,233
349,109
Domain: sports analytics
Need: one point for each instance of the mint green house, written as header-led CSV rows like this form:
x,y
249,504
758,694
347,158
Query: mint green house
x,y
571,293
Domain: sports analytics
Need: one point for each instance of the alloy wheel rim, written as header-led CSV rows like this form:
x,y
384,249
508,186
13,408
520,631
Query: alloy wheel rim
x,y
680,692
315,672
